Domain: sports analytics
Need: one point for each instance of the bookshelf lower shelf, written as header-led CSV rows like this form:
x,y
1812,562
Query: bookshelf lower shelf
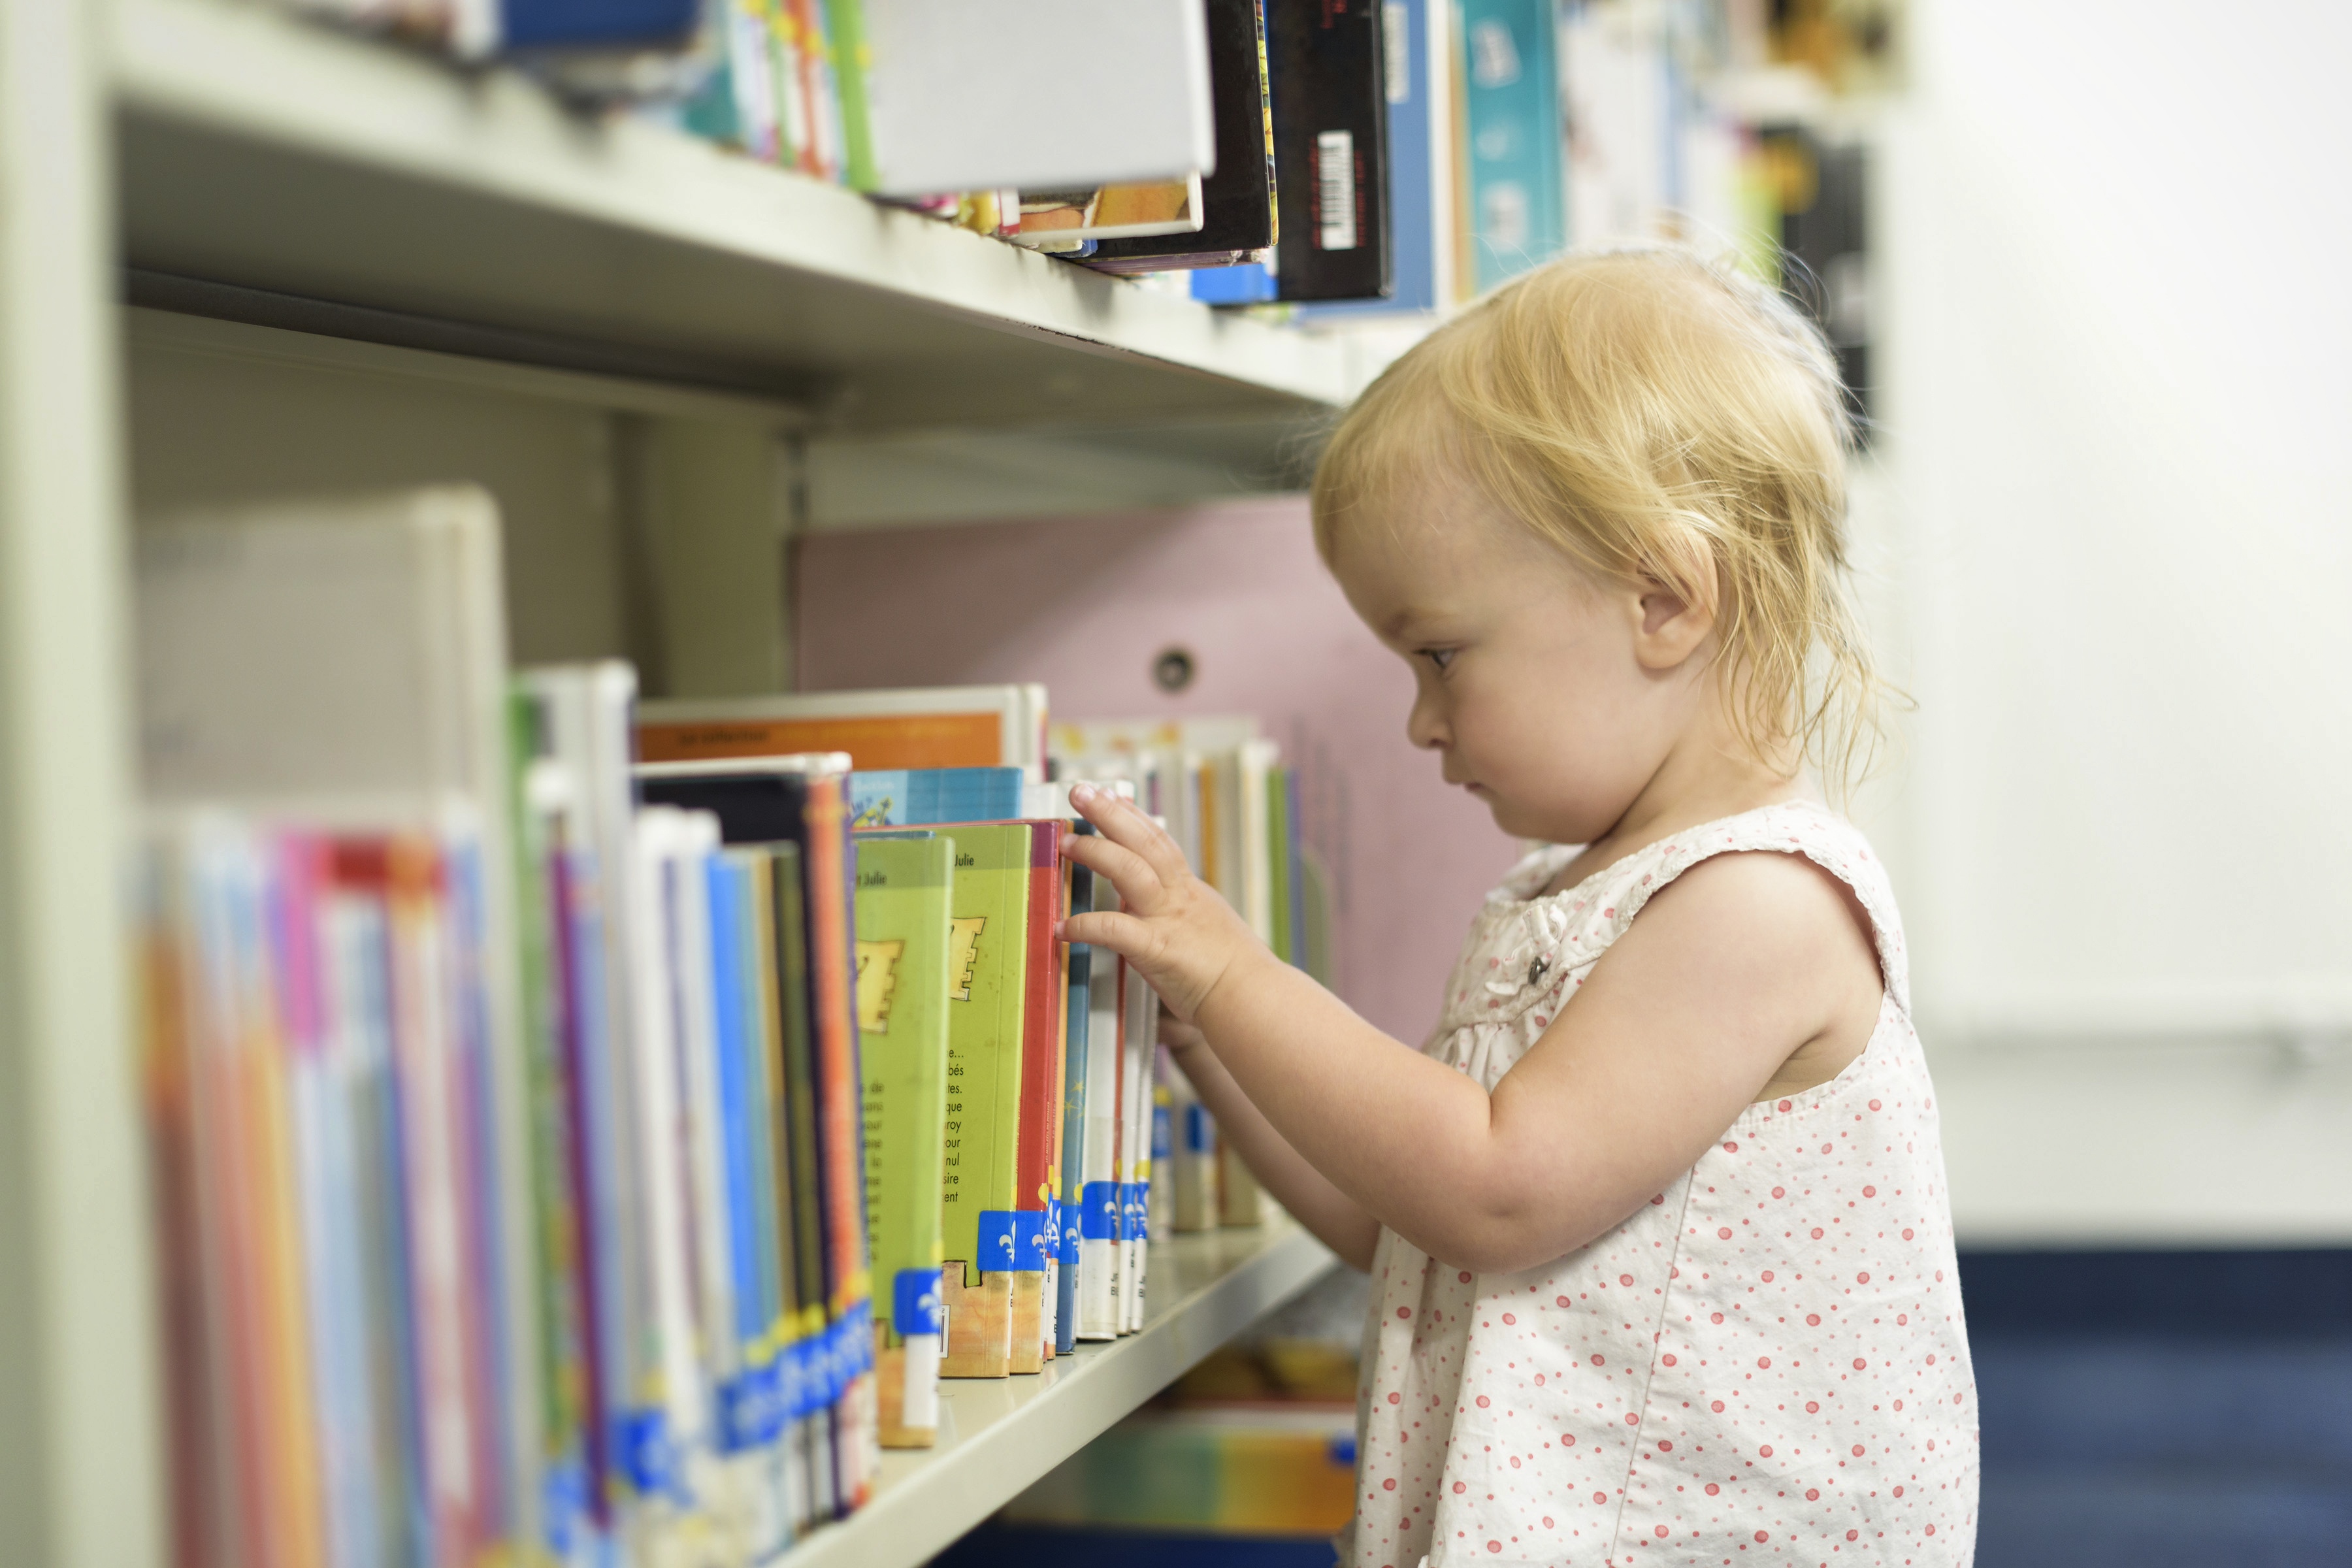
x,y
998,1435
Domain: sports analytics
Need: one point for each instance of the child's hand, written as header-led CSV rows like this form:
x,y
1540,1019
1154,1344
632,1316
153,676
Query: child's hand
x,y
1174,927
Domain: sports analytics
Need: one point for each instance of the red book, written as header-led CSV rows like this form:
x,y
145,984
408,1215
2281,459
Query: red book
x,y
1038,1165
841,1135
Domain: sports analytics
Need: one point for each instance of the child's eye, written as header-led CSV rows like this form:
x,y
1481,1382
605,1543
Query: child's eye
x,y
1438,657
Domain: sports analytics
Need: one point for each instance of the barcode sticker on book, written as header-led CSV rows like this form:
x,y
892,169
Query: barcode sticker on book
x,y
1335,188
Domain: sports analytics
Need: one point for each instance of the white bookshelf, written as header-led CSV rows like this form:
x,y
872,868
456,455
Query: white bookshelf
x,y
998,1435
357,237
270,156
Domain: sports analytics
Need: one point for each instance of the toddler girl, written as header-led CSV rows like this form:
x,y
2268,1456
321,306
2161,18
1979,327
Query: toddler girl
x,y
1662,1256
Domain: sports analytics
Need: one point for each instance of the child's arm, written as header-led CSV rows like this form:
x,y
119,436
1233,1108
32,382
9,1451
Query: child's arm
x,y
1339,1221
1730,970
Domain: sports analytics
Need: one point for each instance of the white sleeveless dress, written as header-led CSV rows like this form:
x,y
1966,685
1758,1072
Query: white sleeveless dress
x,y
1765,1363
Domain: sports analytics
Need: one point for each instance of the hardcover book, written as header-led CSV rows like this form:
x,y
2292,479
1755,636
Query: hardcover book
x,y
905,941
938,727
1330,149
980,1233
1237,209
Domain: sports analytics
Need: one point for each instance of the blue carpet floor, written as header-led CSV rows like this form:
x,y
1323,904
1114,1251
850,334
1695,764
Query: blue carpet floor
x,y
2141,1410
2148,1410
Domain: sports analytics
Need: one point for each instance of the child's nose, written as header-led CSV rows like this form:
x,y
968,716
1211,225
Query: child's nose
x,y
1424,727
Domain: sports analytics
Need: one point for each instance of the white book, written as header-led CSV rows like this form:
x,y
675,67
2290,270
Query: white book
x,y
1141,1051
1193,1156
1098,1251
654,1065
966,95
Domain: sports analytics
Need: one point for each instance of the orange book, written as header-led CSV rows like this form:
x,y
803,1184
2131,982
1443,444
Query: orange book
x,y
931,727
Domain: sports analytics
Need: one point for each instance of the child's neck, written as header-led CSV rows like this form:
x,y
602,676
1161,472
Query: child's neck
x,y
1708,775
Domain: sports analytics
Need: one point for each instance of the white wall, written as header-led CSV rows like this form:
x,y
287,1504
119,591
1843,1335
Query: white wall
x,y
2113,521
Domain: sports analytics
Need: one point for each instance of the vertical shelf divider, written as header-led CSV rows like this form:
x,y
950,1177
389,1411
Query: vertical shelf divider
x,y
80,1422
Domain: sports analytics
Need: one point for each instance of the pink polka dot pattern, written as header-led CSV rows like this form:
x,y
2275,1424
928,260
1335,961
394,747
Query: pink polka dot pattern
x,y
1765,1363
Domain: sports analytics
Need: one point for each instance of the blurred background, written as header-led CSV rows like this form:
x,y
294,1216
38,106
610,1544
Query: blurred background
x,y
2080,263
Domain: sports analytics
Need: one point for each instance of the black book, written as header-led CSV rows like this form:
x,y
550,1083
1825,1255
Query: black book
x,y
1330,149
1237,205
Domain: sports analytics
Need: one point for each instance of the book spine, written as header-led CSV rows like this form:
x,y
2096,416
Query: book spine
x,y
430,1155
851,1284
325,1190
489,1373
1137,1053
775,1329
851,63
1076,1061
578,945
1192,1168
668,1399
1037,1164
786,970
1100,1232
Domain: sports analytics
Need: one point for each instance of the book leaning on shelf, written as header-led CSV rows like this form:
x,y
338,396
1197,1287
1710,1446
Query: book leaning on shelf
x,y
505,1134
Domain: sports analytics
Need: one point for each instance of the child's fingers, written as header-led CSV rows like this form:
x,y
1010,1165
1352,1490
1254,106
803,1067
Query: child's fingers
x,y
1122,934
1125,825
1136,882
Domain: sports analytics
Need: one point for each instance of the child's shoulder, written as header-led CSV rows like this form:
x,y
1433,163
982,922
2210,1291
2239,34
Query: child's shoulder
x,y
1794,861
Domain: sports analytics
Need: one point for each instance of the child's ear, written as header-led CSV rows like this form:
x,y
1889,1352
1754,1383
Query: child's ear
x,y
1667,626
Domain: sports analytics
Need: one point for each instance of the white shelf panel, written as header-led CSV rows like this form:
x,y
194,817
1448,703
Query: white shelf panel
x,y
270,155
998,1435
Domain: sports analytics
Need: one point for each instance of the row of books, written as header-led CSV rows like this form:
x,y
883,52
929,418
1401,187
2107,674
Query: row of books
x,y
1214,128
557,1153
1401,156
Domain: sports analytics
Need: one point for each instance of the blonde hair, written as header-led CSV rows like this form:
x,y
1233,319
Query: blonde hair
x,y
1654,414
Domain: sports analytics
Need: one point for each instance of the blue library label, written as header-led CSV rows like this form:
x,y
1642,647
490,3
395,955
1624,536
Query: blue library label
x,y
752,1408
648,1458
915,1301
1012,1239
1200,1128
1099,1211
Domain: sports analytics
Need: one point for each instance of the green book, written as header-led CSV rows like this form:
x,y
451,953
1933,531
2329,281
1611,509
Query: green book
x,y
984,1022
904,884
846,21
1278,835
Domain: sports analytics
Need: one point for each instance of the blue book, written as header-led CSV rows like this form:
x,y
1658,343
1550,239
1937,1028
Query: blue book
x,y
597,24
1510,94
1248,284
913,797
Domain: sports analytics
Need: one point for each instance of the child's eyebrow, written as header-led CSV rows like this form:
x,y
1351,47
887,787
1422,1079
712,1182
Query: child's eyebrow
x,y
1412,618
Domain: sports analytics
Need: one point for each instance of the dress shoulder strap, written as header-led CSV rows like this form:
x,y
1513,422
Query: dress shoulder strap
x,y
1801,827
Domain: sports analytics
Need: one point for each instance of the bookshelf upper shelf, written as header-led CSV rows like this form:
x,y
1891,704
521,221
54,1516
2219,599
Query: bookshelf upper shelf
x,y
279,172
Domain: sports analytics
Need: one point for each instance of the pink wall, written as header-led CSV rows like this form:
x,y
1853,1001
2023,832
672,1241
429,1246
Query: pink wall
x,y
1085,604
